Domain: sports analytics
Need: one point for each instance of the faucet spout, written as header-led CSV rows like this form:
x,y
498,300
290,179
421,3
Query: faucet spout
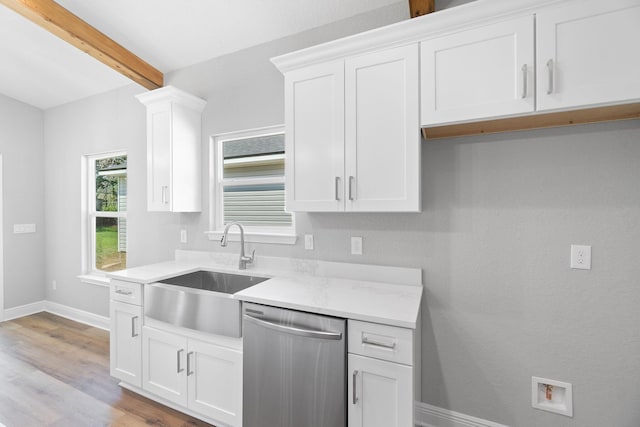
x,y
244,260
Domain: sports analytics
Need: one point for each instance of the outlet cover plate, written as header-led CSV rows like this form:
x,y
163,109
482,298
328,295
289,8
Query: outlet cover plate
x,y
356,246
581,257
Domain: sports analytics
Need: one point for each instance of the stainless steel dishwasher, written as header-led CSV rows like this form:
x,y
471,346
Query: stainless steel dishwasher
x,y
293,369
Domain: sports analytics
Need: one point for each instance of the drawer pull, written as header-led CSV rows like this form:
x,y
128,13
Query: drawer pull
x,y
124,292
367,341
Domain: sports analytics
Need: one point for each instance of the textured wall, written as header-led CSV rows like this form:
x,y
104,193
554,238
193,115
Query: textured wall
x,y
21,146
499,215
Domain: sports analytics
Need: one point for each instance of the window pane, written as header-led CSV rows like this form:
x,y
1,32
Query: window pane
x,y
111,243
254,157
111,184
256,205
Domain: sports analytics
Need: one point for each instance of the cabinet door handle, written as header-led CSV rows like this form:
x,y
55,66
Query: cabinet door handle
x,y
337,189
391,346
351,187
133,327
355,386
524,81
165,195
178,354
123,292
189,371
550,77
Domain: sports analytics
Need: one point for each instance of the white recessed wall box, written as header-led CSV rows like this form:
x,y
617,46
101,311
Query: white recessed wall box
x,y
551,395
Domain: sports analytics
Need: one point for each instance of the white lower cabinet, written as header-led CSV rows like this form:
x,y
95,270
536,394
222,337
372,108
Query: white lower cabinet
x,y
126,343
200,376
383,381
380,392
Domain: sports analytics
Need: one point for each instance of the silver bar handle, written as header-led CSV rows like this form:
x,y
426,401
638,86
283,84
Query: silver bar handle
x,y
308,333
123,292
391,346
524,81
550,75
133,327
351,187
165,198
354,397
189,371
178,354
337,188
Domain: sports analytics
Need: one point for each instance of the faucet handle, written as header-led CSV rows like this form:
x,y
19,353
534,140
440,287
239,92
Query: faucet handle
x,y
253,254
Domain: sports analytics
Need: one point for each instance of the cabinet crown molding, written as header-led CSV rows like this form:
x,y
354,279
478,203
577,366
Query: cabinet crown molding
x,y
174,95
476,13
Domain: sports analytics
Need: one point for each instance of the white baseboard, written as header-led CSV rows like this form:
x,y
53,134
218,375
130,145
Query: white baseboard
x,y
61,310
23,310
433,416
81,316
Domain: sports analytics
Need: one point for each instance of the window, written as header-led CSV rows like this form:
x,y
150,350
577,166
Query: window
x,y
106,213
248,177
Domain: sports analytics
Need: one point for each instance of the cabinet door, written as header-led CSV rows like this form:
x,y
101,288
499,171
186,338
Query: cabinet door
x,y
126,343
588,54
215,382
481,73
382,143
380,393
314,117
159,133
164,365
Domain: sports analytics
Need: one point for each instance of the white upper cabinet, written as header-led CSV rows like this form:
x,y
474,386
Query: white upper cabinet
x,y
352,129
173,150
479,73
588,54
382,131
314,122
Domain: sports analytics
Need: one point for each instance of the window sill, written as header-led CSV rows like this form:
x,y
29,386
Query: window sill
x,y
255,237
94,280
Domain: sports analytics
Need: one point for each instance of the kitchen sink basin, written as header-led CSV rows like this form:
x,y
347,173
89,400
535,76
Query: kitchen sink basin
x,y
202,300
226,283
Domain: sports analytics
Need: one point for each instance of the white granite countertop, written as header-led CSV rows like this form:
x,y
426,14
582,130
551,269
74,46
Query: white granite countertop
x,y
387,295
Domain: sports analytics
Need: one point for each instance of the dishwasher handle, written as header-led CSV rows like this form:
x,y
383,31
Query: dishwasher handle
x,y
308,333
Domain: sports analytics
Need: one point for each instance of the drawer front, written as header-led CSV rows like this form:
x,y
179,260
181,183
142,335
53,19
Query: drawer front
x,y
380,341
126,292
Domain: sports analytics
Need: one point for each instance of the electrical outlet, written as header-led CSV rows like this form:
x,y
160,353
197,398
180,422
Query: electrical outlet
x,y
54,285
581,257
183,236
356,246
308,242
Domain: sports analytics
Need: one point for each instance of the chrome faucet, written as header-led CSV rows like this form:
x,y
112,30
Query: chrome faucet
x,y
244,260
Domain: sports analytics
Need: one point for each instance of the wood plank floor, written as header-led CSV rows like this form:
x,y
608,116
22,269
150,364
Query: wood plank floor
x,y
55,372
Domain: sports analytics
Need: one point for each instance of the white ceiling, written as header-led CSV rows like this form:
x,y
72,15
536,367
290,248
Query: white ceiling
x,y
41,70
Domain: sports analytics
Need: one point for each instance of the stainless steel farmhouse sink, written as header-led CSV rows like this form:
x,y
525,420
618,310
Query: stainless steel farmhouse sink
x,y
202,300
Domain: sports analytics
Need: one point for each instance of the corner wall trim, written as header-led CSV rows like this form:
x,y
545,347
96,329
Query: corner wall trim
x,y
58,309
433,416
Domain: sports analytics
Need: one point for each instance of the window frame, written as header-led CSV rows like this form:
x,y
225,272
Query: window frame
x,y
252,233
90,274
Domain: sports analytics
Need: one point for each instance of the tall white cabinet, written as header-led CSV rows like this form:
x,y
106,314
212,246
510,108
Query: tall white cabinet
x,y
174,178
352,129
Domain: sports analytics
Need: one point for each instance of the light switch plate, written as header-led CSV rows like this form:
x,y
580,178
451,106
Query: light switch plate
x,y
24,228
356,246
183,236
308,242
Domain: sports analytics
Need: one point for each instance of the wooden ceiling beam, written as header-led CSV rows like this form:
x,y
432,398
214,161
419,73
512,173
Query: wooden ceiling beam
x,y
421,7
59,21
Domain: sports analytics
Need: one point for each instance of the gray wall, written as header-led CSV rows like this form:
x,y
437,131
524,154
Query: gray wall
x,y
21,145
499,215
